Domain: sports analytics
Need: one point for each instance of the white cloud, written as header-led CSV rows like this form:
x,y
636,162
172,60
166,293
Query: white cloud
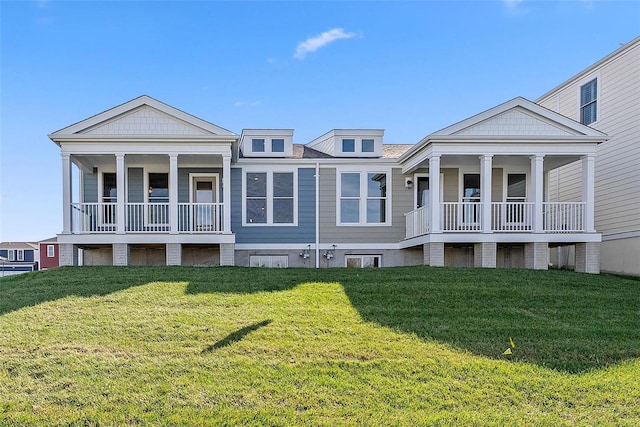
x,y
247,103
314,43
512,4
271,60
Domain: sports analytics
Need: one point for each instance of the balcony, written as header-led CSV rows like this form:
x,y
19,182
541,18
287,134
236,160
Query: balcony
x,y
95,218
506,217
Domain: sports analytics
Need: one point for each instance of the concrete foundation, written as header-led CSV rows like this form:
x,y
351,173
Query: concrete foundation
x,y
174,253
536,256
434,254
68,254
227,256
484,254
588,258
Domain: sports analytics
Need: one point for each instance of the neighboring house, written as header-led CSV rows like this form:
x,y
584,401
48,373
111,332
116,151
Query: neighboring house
x,y
159,186
606,96
18,257
49,253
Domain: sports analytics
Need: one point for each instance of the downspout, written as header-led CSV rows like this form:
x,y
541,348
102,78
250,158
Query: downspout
x,y
317,215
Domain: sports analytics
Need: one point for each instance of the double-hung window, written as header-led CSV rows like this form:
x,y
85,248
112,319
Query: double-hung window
x,y
51,251
589,102
363,198
270,198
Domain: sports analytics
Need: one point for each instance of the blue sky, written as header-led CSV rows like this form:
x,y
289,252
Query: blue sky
x,y
410,68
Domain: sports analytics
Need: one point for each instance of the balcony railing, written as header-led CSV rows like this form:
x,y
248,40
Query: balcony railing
x,y
147,218
513,217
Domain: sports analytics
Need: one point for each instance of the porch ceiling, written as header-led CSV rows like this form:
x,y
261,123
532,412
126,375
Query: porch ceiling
x,y
140,160
456,161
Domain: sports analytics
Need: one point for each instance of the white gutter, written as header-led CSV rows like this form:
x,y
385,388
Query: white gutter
x,y
317,215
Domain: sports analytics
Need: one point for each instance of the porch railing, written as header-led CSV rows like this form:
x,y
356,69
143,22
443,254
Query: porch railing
x,y
147,218
200,217
563,217
93,217
417,222
511,216
558,217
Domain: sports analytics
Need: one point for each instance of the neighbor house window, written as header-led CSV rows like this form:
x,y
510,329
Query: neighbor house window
x,y
20,255
362,261
349,145
11,254
589,102
51,251
277,145
257,145
363,198
368,146
269,198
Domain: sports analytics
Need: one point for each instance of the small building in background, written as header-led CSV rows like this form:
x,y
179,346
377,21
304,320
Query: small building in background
x,y
49,256
18,257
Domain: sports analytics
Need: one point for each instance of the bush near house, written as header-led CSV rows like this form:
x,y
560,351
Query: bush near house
x,y
395,346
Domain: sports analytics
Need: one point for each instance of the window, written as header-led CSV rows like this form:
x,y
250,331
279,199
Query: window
x,y
11,254
362,261
269,198
363,198
158,210
349,145
517,194
368,146
471,198
277,145
20,254
51,251
257,145
589,102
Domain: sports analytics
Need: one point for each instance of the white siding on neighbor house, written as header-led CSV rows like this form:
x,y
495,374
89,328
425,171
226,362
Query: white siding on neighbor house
x,y
617,168
145,121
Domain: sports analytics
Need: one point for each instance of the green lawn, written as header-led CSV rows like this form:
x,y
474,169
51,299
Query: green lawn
x,y
398,346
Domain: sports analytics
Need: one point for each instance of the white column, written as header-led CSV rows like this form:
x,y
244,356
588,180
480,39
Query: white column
x,y
66,193
226,193
121,194
485,192
434,194
588,192
173,193
537,191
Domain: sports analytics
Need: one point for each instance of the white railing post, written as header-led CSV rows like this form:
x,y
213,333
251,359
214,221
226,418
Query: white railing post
x,y
173,193
485,192
66,194
226,194
537,191
588,192
120,193
434,194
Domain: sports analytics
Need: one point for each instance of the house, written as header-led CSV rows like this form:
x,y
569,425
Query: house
x,y
605,96
49,253
18,257
160,186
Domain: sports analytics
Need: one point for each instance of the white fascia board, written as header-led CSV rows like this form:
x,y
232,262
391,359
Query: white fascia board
x,y
323,162
157,148
533,148
143,138
137,103
144,238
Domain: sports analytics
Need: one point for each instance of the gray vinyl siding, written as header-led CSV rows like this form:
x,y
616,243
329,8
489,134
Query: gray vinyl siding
x,y
617,168
90,187
303,233
401,203
135,185
183,182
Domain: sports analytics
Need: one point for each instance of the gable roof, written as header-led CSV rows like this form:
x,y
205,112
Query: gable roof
x,y
142,116
18,245
517,120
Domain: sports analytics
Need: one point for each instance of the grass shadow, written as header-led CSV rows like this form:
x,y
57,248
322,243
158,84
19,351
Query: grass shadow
x,y
236,336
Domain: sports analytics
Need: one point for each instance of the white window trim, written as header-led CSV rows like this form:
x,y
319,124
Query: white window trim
x,y
19,254
360,257
357,146
215,175
11,255
415,187
269,170
51,251
145,193
461,173
593,76
505,183
101,200
364,171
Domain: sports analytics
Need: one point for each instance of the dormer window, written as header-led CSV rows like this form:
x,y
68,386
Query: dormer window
x,y
349,145
368,145
266,143
257,145
277,145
